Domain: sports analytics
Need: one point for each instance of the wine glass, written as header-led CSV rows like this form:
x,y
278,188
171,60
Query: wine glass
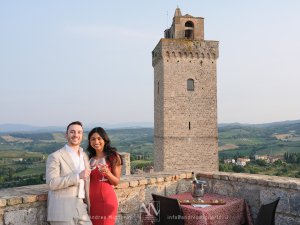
x,y
93,163
101,163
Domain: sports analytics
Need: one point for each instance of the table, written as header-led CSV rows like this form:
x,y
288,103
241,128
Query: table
x,y
234,212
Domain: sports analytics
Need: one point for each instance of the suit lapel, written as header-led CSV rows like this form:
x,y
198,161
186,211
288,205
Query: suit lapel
x,y
87,181
67,158
87,166
86,161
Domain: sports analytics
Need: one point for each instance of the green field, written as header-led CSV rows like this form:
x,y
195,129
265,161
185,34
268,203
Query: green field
x,y
140,164
37,169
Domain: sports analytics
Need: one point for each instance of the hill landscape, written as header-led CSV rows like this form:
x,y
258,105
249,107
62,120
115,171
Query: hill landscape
x,y
24,149
248,139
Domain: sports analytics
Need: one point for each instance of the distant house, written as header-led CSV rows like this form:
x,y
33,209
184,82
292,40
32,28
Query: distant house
x,y
138,171
146,169
227,161
268,159
242,161
149,169
17,160
262,157
274,159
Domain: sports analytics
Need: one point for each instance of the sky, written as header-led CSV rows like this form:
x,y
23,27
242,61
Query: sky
x,y
69,60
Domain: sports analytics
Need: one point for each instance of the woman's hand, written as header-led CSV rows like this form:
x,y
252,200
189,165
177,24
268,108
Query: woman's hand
x,y
114,175
104,169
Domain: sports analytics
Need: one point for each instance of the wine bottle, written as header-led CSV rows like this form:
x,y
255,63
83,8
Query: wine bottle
x,y
194,177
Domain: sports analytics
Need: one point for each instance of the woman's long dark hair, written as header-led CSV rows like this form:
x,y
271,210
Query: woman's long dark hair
x,y
111,154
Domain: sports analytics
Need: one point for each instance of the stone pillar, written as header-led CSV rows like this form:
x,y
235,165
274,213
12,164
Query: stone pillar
x,y
126,163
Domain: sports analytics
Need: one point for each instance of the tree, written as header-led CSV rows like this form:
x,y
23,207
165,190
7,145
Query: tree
x,y
261,162
238,169
11,172
277,163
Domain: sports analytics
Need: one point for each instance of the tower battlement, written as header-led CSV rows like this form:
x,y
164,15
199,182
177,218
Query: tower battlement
x,y
185,49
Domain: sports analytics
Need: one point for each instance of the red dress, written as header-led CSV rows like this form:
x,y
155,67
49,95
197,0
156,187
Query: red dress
x,y
103,199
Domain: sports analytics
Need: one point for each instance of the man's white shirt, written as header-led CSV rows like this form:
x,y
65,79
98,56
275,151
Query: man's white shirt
x,y
79,165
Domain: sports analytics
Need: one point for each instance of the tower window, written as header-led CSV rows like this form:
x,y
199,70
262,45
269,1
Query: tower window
x,y
190,85
158,87
189,30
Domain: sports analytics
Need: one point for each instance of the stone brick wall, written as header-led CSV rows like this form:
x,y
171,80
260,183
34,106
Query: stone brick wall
x,y
27,205
23,205
185,122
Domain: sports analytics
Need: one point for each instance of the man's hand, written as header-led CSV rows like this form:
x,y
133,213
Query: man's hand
x,y
84,174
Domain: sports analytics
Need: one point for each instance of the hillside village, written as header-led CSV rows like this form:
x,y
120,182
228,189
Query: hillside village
x,y
244,161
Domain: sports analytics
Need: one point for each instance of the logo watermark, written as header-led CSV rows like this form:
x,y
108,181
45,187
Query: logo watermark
x,y
150,212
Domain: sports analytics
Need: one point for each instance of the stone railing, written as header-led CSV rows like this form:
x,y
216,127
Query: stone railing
x,y
27,205
260,189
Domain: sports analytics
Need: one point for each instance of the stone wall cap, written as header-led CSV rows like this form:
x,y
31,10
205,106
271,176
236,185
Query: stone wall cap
x,y
266,180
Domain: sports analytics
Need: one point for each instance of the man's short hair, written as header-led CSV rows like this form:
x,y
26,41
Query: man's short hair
x,y
74,123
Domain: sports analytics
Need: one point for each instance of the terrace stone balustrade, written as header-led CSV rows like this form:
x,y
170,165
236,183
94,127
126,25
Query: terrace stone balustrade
x,y
27,205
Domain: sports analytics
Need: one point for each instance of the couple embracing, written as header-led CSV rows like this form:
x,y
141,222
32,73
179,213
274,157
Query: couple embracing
x,y
77,194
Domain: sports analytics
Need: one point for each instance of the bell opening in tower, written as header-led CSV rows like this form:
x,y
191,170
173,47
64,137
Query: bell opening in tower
x,y
189,30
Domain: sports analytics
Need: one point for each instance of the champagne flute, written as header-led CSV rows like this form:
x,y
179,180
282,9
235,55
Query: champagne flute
x,y
102,163
93,163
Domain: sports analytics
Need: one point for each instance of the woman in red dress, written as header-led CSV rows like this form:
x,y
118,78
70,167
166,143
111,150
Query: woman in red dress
x,y
103,199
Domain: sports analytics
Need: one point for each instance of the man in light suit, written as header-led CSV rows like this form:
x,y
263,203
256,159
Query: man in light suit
x,y
67,174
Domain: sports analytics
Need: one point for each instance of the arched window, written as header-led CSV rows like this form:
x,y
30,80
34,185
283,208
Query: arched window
x,y
189,30
190,85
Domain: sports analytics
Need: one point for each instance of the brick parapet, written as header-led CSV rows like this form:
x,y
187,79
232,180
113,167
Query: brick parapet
x,y
136,189
36,193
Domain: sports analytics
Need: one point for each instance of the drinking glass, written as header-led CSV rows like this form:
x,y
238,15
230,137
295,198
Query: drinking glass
x,y
101,163
93,163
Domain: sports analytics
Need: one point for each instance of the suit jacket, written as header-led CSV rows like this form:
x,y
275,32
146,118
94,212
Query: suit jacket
x,y
63,182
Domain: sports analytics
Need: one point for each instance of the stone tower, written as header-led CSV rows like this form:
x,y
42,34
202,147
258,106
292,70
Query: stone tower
x,y
185,98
